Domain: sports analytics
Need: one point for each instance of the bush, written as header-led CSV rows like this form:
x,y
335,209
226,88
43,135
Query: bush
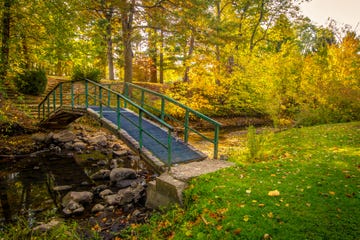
x,y
31,82
81,73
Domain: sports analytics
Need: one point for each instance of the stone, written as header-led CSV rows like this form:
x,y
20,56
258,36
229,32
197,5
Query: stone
x,y
114,163
101,163
126,183
118,174
105,193
101,175
99,140
125,196
131,194
44,227
79,145
116,147
62,188
120,153
73,207
79,197
99,188
98,208
68,146
113,199
40,137
63,136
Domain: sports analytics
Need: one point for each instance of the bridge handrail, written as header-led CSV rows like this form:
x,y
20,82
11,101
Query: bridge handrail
x,y
142,111
188,110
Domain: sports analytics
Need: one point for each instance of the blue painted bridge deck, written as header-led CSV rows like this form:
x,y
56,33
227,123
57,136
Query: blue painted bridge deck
x,y
180,151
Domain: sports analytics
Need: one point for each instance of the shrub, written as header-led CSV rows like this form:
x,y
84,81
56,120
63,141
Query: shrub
x,y
81,73
256,143
31,82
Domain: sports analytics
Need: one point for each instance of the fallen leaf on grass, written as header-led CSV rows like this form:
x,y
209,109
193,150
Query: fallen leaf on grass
x,y
237,231
246,218
274,193
332,193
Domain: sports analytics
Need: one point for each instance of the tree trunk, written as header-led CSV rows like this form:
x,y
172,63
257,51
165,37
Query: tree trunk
x,y
191,50
5,48
25,51
161,73
110,59
127,28
253,34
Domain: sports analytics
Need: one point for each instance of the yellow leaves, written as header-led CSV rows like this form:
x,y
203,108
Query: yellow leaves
x,y
246,218
96,228
332,193
274,193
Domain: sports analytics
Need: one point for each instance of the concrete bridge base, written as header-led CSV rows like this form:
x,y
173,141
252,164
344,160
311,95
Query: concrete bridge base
x,y
167,189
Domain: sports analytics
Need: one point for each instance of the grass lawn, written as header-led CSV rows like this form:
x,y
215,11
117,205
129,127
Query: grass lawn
x,y
313,175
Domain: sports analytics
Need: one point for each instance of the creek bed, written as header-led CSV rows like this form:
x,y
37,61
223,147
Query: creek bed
x,y
32,188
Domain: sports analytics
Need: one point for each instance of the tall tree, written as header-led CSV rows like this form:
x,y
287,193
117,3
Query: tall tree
x,y
5,39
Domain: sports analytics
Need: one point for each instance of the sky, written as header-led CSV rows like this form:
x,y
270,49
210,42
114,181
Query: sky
x,y
342,11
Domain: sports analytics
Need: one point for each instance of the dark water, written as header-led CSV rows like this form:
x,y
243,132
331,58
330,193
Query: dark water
x,y
27,184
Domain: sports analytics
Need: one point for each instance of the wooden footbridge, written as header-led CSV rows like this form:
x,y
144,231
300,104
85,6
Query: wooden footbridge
x,y
148,122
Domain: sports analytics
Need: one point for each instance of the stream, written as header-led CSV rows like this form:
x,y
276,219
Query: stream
x,y
32,188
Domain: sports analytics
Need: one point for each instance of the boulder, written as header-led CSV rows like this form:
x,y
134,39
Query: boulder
x,y
98,208
105,193
79,197
125,196
119,174
125,183
63,136
73,207
131,193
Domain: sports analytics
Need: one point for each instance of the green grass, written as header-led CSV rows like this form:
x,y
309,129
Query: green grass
x,y
316,171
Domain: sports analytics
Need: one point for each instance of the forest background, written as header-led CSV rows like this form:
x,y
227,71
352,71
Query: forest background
x,y
221,57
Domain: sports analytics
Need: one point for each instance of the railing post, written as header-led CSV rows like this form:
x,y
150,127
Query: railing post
x,y
140,129
61,94
86,94
72,95
109,96
100,101
48,105
118,110
54,100
216,141
162,108
186,126
126,93
95,95
169,149
142,98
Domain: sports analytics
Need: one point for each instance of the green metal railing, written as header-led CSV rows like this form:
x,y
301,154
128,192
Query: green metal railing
x,y
160,109
85,93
